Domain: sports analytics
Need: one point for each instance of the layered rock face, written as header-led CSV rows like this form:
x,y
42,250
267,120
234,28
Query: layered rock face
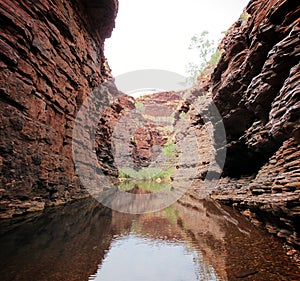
x,y
255,85
158,112
143,129
256,89
111,132
51,59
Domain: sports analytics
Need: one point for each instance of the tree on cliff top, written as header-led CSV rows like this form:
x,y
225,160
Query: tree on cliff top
x,y
208,55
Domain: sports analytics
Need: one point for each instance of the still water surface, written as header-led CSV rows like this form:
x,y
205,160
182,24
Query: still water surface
x,y
133,257
188,241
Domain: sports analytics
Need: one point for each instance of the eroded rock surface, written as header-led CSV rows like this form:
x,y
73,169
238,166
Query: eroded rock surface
x,y
256,88
256,83
51,59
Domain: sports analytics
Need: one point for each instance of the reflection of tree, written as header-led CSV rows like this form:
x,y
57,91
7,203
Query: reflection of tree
x,y
147,186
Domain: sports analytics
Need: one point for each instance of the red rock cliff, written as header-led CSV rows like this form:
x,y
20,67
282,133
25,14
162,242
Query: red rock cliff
x,y
51,59
255,85
256,88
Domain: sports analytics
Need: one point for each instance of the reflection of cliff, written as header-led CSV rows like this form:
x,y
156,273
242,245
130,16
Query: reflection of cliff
x,y
235,248
68,243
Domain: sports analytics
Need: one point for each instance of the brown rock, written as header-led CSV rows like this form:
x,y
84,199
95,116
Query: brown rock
x,y
256,89
52,58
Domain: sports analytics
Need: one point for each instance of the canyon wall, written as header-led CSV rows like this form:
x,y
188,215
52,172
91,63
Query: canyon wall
x,y
256,89
158,111
51,59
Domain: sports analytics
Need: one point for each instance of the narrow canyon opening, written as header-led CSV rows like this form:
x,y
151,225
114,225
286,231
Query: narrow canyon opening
x,y
197,183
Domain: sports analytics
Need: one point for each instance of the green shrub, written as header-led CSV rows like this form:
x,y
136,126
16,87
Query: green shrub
x,y
146,173
140,106
244,16
144,184
182,114
170,149
124,174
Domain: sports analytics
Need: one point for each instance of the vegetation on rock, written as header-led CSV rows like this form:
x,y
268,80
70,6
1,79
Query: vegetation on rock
x,y
208,55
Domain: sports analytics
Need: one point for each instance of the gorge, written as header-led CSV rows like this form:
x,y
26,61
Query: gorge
x,y
52,59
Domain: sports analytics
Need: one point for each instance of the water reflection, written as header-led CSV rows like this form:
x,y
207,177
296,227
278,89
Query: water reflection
x,y
188,240
144,186
134,257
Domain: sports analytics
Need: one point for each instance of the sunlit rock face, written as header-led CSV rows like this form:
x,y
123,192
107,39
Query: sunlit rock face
x,y
256,88
51,59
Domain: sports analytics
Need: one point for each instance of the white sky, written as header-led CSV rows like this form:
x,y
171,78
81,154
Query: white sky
x,y
155,34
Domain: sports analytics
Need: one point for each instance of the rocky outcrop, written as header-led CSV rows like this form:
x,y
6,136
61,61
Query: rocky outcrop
x,y
107,136
145,141
51,59
255,84
256,89
157,112
144,129
271,198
